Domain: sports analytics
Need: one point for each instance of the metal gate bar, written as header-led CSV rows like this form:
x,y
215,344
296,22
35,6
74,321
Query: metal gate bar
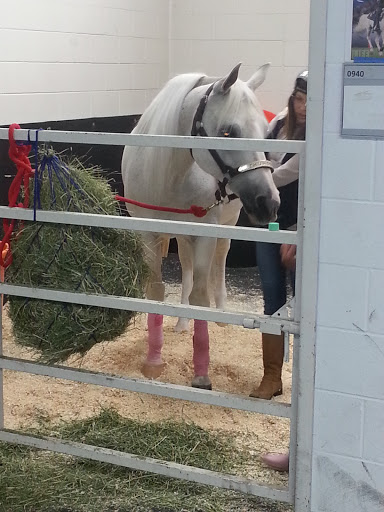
x,y
245,319
171,141
165,468
216,398
173,227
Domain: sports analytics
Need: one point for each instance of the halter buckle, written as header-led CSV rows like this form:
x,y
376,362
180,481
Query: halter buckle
x,y
213,205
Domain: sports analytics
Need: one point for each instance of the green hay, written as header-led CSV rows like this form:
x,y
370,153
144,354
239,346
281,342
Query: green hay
x,y
38,481
74,258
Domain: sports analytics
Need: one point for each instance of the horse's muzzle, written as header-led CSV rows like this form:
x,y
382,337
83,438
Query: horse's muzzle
x,y
261,209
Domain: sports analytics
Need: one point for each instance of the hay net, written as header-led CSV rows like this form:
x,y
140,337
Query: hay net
x,y
72,258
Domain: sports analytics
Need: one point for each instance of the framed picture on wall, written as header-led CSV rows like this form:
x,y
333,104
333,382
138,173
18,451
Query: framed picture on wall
x,y
368,31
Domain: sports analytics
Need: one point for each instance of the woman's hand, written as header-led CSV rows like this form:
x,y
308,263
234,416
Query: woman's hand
x,y
288,256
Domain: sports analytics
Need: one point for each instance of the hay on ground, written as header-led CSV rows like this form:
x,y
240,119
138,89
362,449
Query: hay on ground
x,y
37,481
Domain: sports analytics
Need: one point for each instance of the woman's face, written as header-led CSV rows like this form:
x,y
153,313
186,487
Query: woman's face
x,y
300,107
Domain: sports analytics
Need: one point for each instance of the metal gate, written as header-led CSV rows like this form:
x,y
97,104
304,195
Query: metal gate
x,y
301,324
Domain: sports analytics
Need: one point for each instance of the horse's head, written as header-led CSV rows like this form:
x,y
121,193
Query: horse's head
x,y
229,108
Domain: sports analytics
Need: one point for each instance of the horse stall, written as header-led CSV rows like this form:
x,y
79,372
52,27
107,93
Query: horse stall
x,y
78,79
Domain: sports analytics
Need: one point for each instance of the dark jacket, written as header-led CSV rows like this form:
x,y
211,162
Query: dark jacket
x,y
287,214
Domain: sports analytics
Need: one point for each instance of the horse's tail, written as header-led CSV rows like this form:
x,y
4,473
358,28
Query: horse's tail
x,y
161,117
356,18
362,23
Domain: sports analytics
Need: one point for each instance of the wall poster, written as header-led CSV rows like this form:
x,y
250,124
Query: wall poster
x,y
367,31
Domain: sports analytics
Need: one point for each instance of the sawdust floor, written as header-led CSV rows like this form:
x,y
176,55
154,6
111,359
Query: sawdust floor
x,y
236,366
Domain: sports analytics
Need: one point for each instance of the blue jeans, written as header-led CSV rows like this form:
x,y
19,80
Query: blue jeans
x,y
273,276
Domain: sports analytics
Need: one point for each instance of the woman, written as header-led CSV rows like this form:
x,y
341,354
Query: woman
x,y
376,15
280,461
289,124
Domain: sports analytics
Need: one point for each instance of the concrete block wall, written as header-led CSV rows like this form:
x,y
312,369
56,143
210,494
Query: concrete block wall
x,y
64,59
212,36
348,460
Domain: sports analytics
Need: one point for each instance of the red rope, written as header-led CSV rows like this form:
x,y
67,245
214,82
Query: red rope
x,y
197,211
19,155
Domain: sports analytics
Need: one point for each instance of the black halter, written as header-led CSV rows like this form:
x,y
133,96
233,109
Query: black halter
x,y
198,129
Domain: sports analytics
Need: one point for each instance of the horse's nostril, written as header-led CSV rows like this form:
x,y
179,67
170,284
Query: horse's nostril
x,y
261,202
266,207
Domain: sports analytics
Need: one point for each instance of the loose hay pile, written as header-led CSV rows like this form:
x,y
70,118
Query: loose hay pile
x,y
73,258
37,481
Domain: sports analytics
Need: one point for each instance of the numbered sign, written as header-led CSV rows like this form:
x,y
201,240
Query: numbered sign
x,y
363,105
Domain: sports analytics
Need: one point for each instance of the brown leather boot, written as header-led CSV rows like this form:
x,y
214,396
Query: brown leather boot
x,y
273,354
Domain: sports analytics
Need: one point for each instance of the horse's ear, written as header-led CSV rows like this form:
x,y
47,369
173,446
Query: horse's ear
x,y
223,85
258,78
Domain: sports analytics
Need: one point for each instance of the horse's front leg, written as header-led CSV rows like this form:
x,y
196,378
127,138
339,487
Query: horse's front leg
x,y
380,43
186,259
218,267
218,273
153,365
369,42
203,253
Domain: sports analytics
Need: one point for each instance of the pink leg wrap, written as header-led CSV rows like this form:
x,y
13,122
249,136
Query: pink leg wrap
x,y
155,338
201,348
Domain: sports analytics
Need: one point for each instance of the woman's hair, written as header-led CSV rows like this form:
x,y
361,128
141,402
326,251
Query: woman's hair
x,y
290,129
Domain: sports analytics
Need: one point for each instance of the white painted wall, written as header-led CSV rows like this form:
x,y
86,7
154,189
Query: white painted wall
x,y
68,59
214,35
348,462
65,59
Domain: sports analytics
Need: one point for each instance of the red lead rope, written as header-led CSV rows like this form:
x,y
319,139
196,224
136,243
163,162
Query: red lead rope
x,y
197,211
19,155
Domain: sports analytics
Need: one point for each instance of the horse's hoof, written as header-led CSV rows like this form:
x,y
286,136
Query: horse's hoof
x,y
152,370
202,382
182,325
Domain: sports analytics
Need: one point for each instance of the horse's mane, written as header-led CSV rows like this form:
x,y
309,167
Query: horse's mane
x,y
161,117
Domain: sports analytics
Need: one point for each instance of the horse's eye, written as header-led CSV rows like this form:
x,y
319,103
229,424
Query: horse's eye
x,y
230,131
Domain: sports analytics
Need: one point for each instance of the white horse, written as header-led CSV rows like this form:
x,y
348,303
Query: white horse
x,y
365,26
178,178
